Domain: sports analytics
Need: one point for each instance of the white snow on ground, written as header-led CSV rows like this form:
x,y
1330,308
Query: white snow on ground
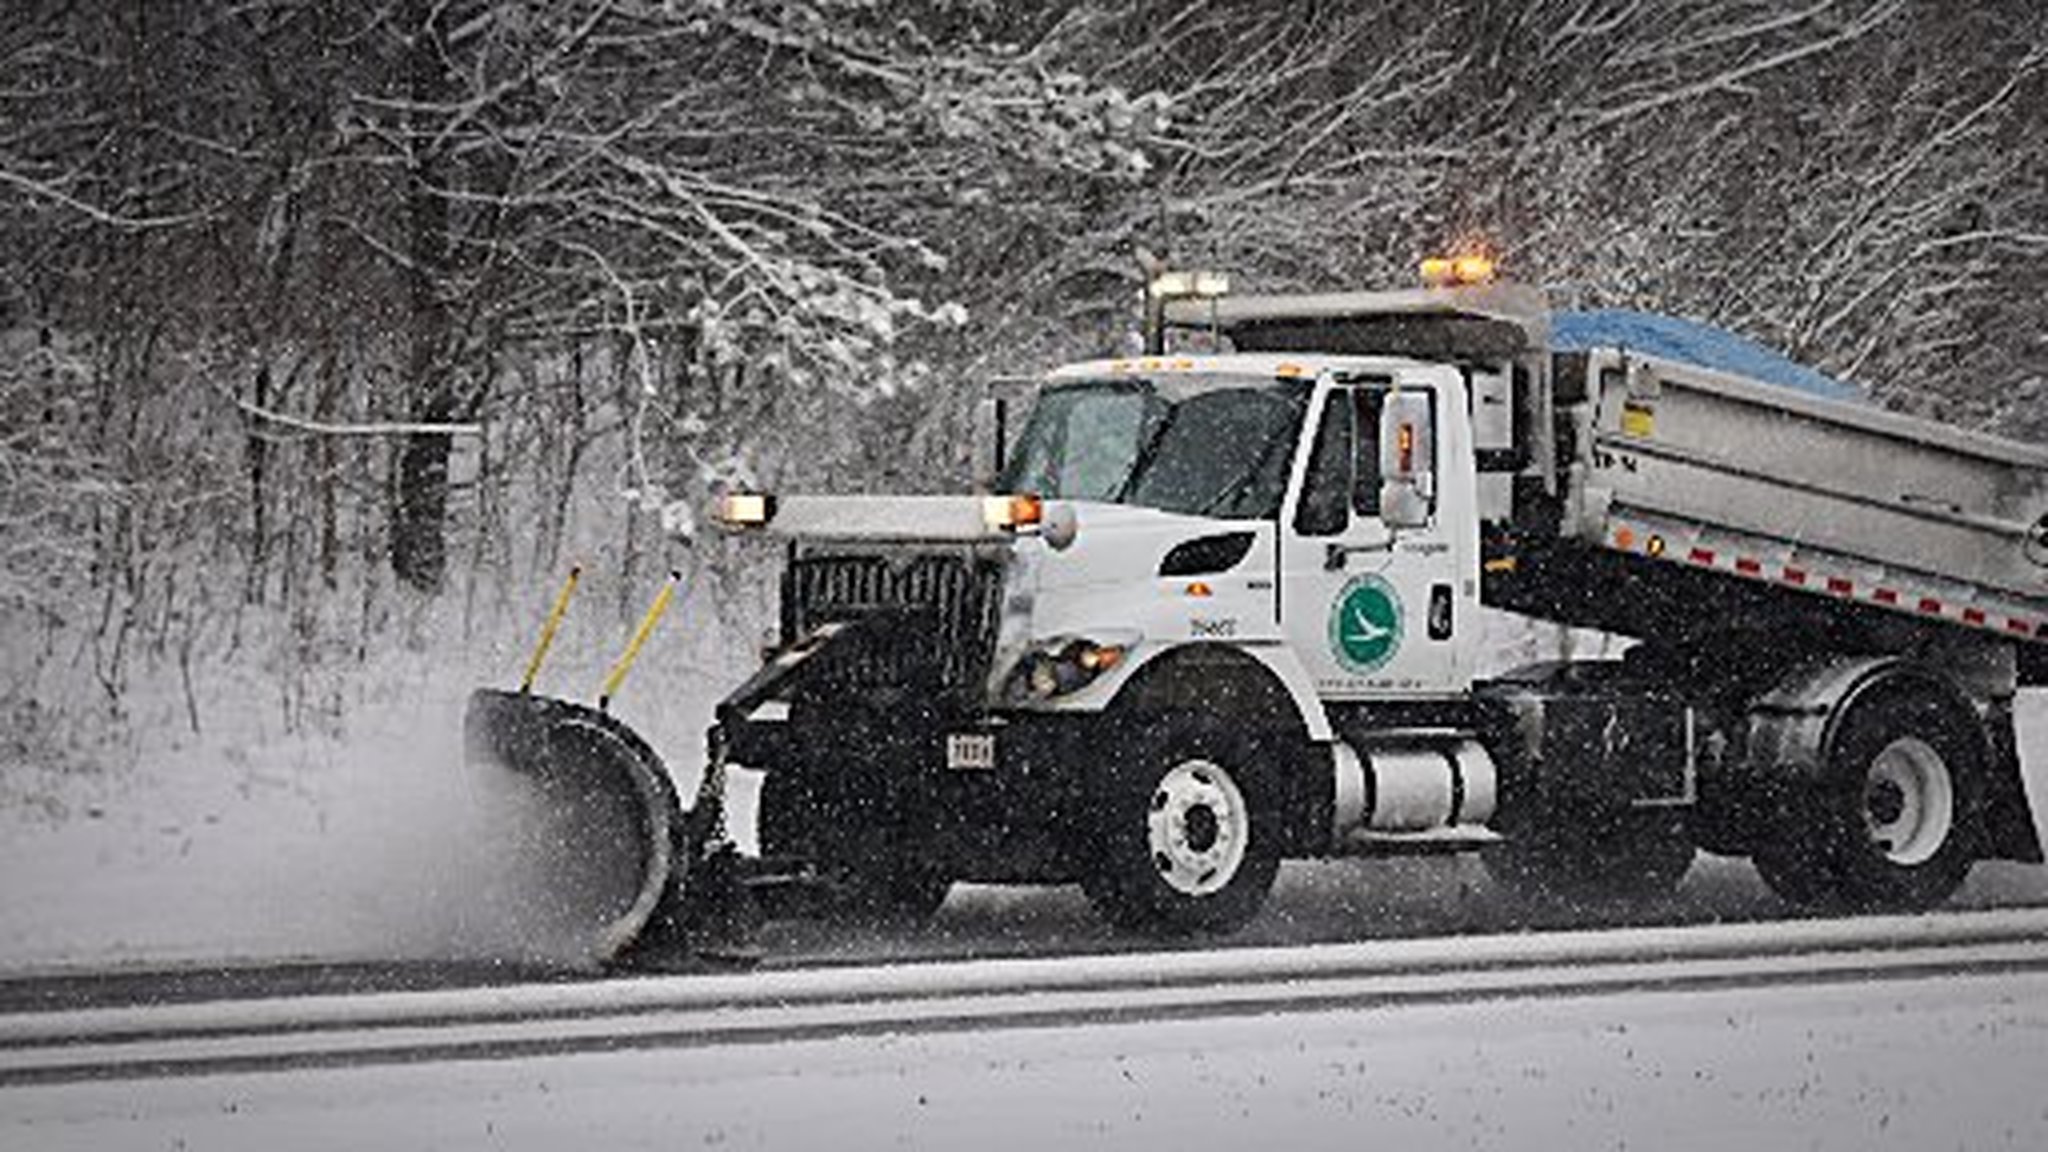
x,y
1942,1062
386,848
252,841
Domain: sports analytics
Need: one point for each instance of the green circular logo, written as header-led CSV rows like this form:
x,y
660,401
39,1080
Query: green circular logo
x,y
1365,624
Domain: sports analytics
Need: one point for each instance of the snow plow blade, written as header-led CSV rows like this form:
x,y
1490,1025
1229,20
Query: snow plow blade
x,y
610,839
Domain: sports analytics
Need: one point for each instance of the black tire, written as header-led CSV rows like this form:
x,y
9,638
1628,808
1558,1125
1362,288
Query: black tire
x,y
1190,827
1568,863
871,872
1790,870
1893,823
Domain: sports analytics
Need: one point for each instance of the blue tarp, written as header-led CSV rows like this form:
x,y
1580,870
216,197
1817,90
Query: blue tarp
x,y
1692,343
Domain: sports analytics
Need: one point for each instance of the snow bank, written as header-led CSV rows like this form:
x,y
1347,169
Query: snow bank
x,y
364,835
385,845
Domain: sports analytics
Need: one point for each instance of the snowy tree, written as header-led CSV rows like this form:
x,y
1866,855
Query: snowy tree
x,y
262,258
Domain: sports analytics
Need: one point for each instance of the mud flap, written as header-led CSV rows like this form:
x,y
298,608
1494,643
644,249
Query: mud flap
x,y
617,850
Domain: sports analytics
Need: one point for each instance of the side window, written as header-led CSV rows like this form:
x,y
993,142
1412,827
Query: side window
x,y
1326,491
1365,468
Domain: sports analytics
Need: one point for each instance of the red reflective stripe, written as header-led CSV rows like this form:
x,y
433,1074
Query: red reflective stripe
x,y
1930,605
1750,567
1885,596
1973,616
1795,575
1841,587
1702,556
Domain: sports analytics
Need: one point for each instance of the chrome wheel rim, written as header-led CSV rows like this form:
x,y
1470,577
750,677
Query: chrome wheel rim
x,y
1198,828
1909,801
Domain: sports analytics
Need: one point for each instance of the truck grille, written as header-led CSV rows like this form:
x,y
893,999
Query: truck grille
x,y
944,607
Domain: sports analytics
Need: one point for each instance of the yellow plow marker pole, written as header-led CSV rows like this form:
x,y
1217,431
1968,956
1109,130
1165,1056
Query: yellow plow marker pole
x,y
632,652
547,630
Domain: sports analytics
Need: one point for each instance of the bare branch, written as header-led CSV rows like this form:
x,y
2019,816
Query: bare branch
x,y
1729,78
375,428
100,215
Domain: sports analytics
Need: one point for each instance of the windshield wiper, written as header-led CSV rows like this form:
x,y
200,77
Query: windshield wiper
x,y
1146,455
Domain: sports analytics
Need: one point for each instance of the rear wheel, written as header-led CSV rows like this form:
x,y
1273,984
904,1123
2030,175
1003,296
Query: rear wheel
x,y
872,871
1189,839
1892,822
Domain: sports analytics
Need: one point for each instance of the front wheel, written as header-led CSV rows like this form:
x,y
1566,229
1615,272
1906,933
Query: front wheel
x,y
1189,836
1891,824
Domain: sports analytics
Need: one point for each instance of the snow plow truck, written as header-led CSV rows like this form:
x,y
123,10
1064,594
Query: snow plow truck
x,y
1220,610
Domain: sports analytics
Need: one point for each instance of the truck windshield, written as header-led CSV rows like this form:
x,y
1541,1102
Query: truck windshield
x,y
1200,445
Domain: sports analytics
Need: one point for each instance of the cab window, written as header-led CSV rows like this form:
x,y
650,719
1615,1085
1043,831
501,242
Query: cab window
x,y
1367,404
1324,508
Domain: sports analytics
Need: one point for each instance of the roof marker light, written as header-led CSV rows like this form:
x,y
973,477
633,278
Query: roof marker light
x,y
1457,271
1204,284
1474,269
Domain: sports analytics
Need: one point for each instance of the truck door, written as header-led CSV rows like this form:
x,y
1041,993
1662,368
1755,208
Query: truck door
x,y
1372,610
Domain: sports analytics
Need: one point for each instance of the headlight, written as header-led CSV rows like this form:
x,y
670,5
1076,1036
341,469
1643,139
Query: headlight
x,y
1063,667
1013,513
745,509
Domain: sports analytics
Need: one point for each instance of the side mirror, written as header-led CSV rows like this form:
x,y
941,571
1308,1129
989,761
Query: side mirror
x,y
991,435
1407,460
1060,525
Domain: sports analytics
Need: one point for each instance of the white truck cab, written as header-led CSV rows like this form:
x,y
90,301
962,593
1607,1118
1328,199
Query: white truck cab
x,y
1333,537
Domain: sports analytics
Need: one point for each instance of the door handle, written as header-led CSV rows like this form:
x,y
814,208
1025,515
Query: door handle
x,y
1336,556
1381,539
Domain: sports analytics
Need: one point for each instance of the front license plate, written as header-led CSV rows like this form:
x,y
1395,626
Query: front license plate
x,y
970,752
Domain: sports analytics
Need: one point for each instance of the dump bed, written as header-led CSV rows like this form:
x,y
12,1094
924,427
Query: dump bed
x,y
1695,467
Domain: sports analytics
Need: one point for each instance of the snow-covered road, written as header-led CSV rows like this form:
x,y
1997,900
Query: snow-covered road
x,y
1909,1033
